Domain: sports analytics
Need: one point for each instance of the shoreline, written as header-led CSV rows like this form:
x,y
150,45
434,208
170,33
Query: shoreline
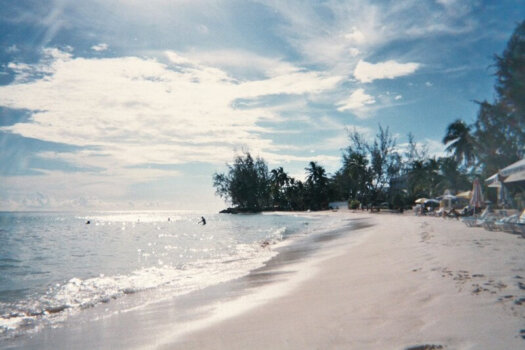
x,y
413,282
395,282
155,319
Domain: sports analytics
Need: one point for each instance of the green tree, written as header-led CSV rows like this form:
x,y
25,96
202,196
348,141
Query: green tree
x,y
460,142
246,184
354,177
368,168
497,137
296,195
452,176
385,163
497,141
317,186
510,83
279,183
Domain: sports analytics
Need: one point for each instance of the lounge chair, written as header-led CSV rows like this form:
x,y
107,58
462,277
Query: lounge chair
x,y
477,221
506,223
490,223
519,226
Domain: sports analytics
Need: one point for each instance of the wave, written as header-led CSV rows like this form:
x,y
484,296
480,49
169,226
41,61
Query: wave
x,y
76,294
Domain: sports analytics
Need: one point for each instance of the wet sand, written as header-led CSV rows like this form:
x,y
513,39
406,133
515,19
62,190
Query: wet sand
x,y
412,283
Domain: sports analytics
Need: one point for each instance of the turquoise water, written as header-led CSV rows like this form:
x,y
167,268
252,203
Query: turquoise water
x,y
53,265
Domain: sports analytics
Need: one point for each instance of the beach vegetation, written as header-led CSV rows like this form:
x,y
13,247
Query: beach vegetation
x,y
460,143
497,137
377,173
317,189
353,204
250,187
279,184
368,167
245,184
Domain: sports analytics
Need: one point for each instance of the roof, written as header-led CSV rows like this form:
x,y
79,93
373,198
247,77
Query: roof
x,y
515,168
516,177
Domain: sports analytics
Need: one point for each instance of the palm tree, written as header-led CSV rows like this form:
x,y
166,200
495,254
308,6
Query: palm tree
x,y
460,142
317,185
279,182
452,176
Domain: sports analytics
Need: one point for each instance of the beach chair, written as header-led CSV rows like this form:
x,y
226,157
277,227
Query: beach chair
x,y
490,223
519,226
473,221
506,223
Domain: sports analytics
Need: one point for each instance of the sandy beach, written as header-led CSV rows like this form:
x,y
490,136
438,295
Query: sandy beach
x,y
408,283
386,281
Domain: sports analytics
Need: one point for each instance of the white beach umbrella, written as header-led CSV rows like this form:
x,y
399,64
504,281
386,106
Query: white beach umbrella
x,y
465,195
477,196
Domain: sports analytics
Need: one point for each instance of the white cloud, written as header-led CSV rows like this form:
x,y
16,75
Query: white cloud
x,y
398,97
356,36
132,111
367,72
357,103
428,84
242,63
100,47
360,27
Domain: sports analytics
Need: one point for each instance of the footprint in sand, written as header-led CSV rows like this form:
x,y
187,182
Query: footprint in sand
x,y
425,347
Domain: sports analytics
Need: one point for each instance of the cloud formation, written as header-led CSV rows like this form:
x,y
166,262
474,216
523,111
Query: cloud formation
x,y
100,47
358,102
367,72
132,111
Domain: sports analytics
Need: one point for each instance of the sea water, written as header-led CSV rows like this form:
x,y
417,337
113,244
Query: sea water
x,y
54,265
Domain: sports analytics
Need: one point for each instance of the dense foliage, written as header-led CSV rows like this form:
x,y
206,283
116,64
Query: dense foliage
x,y
497,137
375,172
249,186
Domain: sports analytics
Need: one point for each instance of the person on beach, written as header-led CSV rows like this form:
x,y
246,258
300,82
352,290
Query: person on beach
x,y
203,221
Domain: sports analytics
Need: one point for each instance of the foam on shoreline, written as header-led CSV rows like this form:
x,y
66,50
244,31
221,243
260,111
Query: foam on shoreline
x,y
269,277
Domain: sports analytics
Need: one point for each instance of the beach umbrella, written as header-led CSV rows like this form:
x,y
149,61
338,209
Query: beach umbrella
x,y
449,198
420,200
465,194
432,200
477,196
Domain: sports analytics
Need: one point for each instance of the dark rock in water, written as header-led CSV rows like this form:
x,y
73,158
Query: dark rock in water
x,y
239,211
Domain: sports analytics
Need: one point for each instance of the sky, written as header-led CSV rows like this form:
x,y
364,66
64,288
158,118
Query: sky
x,y
128,104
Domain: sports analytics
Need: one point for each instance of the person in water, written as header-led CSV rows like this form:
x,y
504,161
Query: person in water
x,y
203,221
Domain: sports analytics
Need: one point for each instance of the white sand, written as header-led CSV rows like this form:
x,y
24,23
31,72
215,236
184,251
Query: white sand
x,y
412,281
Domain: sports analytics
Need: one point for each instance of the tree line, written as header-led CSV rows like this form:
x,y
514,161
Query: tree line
x,y
374,172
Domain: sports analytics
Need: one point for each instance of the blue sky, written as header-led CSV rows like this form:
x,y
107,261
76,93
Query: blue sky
x,y
128,104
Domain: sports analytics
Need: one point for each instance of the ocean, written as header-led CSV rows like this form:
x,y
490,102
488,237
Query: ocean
x,y
54,265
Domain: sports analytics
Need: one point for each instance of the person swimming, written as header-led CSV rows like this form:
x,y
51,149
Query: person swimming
x,y
203,221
